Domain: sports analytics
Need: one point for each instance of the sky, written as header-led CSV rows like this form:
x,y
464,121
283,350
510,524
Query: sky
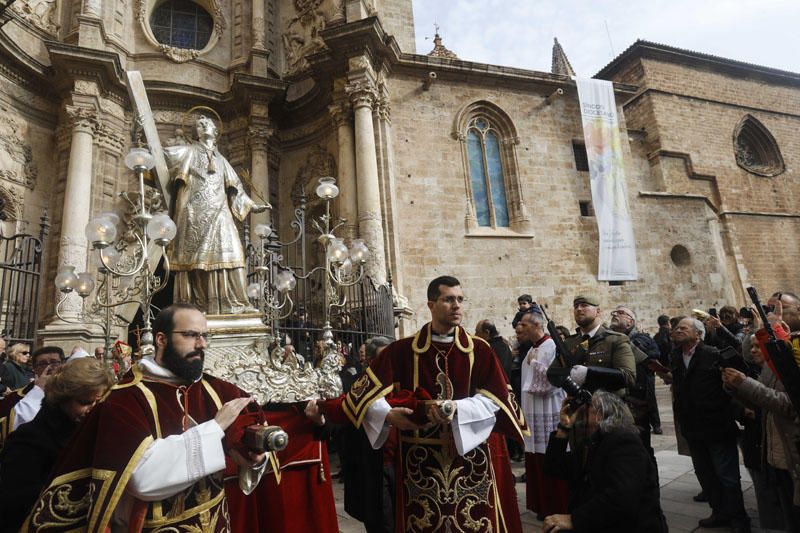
x,y
519,33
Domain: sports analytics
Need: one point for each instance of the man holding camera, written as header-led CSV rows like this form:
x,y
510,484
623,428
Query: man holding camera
x,y
151,455
705,413
597,356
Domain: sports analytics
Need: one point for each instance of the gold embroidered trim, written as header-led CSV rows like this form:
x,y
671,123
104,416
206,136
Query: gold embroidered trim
x,y
137,377
211,392
151,400
364,392
194,511
518,420
121,484
470,344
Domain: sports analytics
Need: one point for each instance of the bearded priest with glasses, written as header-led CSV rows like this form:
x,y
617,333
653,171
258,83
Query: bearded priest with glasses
x,y
151,456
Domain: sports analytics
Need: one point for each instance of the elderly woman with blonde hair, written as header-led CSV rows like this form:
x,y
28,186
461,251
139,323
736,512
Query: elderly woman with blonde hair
x,y
31,451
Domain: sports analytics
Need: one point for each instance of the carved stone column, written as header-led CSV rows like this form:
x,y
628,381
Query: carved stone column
x,y
370,221
385,152
258,136
72,249
348,193
259,57
259,26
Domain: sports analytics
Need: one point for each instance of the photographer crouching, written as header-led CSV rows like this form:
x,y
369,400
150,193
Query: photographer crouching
x,y
613,483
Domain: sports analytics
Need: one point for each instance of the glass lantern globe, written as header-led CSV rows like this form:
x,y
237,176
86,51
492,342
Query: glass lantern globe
x,y
161,229
327,189
337,251
85,284
101,232
110,256
66,279
112,216
140,158
347,267
263,230
359,252
254,290
285,281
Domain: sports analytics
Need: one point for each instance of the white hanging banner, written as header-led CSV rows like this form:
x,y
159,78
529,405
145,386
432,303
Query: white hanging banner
x,y
617,261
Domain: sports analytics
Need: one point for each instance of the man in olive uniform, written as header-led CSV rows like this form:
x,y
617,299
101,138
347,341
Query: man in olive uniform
x,y
599,358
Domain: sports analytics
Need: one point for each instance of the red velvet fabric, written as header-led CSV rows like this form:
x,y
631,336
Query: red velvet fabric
x,y
545,495
505,482
107,439
302,500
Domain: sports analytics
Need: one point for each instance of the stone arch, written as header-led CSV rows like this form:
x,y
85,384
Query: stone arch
x,y
501,123
493,113
755,148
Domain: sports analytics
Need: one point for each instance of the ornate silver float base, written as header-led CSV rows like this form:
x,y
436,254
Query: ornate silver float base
x,y
240,353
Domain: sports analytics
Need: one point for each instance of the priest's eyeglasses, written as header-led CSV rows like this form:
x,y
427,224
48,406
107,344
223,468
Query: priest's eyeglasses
x,y
451,300
194,335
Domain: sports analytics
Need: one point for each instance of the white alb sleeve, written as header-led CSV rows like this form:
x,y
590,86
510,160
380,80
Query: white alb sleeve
x,y
28,406
473,422
173,464
375,425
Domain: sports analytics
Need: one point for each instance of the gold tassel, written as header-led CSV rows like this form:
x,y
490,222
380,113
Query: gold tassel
x,y
321,473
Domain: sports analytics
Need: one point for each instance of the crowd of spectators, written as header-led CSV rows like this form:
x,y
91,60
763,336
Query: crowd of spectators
x,y
589,461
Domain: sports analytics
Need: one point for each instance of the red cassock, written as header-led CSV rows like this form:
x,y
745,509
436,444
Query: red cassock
x,y
300,497
439,490
97,463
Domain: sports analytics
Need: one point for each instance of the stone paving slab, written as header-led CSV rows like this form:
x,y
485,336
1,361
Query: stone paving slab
x,y
676,477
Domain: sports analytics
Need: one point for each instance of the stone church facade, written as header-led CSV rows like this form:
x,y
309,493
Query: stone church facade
x,y
445,166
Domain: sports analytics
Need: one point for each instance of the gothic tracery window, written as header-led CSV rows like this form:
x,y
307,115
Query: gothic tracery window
x,y
494,198
486,174
756,149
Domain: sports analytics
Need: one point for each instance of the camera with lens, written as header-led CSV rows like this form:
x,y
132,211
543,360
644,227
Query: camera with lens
x,y
578,396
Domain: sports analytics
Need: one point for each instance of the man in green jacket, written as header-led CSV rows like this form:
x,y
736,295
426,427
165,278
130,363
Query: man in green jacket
x,y
598,357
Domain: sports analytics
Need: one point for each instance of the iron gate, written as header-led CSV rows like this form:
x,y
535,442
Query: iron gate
x,y
20,274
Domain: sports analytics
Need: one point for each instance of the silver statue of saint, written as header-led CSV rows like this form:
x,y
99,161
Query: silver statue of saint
x,y
207,255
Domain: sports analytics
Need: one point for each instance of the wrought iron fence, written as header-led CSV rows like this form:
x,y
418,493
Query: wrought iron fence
x,y
367,308
20,274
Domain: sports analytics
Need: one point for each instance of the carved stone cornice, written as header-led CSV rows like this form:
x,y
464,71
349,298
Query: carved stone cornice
x,y
72,63
258,136
82,119
340,114
361,94
107,136
383,108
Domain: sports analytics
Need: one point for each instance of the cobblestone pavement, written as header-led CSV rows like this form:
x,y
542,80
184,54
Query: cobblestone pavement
x,y
678,485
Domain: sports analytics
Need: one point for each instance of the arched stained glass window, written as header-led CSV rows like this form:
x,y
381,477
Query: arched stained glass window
x,y
486,174
182,24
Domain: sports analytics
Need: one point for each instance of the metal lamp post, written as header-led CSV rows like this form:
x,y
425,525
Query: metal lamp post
x,y
152,232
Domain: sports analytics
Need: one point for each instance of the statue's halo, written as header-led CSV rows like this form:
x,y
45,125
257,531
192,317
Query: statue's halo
x,y
206,108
